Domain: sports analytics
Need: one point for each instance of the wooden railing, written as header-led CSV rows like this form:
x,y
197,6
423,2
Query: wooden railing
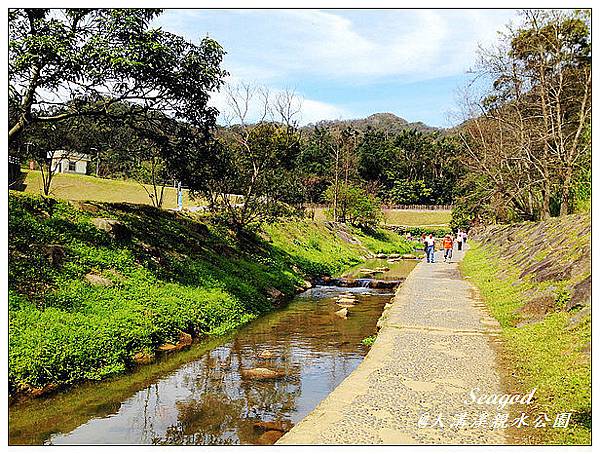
x,y
396,207
418,207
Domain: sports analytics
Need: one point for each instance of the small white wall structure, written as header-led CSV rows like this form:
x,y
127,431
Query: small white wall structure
x,y
69,162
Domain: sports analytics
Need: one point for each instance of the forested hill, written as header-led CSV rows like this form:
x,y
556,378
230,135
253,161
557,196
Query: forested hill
x,y
387,122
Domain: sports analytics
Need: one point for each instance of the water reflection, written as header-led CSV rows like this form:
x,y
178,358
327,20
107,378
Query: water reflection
x,y
211,401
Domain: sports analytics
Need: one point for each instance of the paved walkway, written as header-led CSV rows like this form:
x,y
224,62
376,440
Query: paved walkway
x,y
435,345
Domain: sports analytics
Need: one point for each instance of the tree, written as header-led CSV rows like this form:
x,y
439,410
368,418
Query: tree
x,y
408,192
45,143
375,158
553,50
313,164
249,172
525,135
342,147
361,208
78,62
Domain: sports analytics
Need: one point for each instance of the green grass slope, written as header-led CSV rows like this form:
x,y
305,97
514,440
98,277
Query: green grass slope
x,y
72,186
536,281
84,298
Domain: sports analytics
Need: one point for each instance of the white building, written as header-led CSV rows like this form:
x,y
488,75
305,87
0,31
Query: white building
x,y
69,162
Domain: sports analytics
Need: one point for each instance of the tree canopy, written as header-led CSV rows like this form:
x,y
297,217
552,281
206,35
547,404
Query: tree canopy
x,y
77,62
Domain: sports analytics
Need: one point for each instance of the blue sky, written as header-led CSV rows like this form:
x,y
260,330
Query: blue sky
x,y
350,63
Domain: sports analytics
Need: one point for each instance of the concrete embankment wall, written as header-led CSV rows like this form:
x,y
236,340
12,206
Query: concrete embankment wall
x,y
553,256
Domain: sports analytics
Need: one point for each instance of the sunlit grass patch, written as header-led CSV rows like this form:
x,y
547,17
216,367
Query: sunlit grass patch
x,y
547,354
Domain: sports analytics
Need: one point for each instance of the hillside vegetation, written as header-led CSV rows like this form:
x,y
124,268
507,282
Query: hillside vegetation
x,y
95,288
536,281
383,121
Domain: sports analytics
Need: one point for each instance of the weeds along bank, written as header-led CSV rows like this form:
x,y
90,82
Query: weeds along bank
x,y
96,288
536,280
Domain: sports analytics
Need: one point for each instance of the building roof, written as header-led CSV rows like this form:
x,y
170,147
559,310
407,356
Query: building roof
x,y
71,155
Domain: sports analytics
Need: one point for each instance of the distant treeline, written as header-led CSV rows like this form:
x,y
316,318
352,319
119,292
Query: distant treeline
x,y
137,98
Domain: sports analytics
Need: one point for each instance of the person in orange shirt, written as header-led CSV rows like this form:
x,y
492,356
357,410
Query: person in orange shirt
x,y
447,244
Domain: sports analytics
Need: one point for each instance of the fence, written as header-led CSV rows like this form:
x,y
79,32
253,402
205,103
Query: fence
x,y
398,207
418,207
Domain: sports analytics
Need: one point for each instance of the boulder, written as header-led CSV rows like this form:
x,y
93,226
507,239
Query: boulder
x,y
55,254
381,256
348,238
43,391
345,282
96,279
280,426
266,354
86,206
142,358
394,256
304,286
185,340
273,293
346,300
408,256
537,308
269,437
382,269
149,249
342,313
167,348
581,294
261,373
375,283
114,228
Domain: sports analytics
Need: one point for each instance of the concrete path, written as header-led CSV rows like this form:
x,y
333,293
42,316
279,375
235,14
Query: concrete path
x,y
434,346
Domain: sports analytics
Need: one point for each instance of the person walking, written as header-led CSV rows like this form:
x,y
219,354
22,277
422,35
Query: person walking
x,y
430,248
448,245
459,240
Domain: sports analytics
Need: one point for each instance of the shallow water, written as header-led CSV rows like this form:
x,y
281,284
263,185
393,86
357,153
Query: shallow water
x,y
396,269
200,397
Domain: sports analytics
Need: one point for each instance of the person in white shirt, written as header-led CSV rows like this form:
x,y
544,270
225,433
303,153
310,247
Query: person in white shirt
x,y
459,239
430,248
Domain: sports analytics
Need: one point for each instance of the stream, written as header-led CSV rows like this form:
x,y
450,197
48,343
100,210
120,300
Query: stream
x,y
200,396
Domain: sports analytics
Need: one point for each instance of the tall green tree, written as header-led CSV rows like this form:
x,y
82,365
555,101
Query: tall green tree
x,y
74,62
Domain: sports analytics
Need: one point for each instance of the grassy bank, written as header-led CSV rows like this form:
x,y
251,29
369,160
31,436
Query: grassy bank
x,y
546,336
71,186
86,294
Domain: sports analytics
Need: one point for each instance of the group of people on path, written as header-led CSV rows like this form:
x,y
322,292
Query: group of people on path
x,y
429,243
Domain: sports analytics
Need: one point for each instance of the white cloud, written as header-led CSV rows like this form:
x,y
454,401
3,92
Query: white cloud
x,y
270,45
311,110
339,58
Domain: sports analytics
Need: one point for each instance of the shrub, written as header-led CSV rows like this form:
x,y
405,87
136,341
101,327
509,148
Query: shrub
x,y
369,341
355,206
